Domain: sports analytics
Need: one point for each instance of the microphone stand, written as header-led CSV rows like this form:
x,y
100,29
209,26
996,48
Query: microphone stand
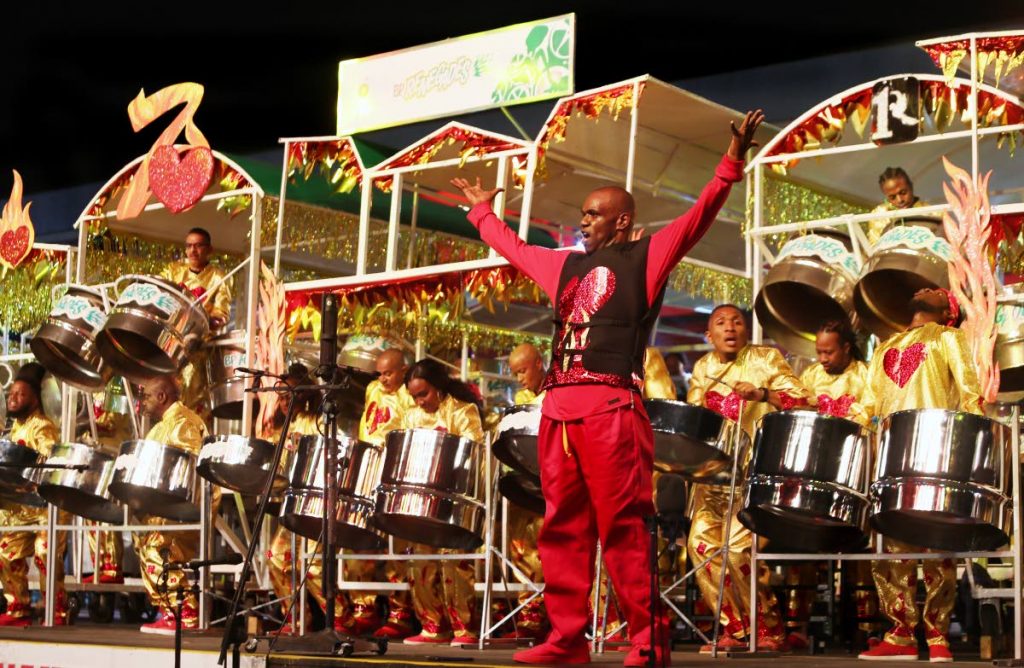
x,y
672,526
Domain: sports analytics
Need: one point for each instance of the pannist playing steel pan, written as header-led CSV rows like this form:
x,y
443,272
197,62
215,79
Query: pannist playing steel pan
x,y
907,258
431,489
516,443
152,329
238,463
1009,352
807,488
84,492
811,281
942,480
693,441
227,391
18,484
156,479
66,341
302,507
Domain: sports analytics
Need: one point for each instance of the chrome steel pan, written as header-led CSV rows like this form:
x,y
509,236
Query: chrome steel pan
x,y
522,490
19,484
942,480
693,441
431,489
238,463
227,391
516,442
807,487
156,479
84,493
66,341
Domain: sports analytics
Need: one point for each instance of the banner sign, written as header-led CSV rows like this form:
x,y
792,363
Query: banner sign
x,y
513,65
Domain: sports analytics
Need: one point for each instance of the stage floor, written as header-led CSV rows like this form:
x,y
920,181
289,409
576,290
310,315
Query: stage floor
x,y
115,645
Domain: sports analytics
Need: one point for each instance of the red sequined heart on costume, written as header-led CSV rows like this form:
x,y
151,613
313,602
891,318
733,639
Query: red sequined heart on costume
x,y
724,404
900,365
180,182
838,407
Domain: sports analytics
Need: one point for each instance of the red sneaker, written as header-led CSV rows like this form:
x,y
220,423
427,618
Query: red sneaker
x,y
797,641
773,645
465,640
939,654
164,626
550,653
111,579
393,631
357,626
16,622
725,643
886,651
428,640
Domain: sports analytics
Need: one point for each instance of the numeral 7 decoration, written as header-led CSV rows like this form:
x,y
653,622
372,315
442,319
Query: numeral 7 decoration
x,y
16,230
176,181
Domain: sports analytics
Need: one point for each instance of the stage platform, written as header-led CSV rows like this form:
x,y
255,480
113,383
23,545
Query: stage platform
x,y
118,646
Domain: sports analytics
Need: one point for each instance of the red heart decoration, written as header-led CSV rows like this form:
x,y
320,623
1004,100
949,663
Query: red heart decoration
x,y
727,405
14,245
180,182
838,407
900,365
596,288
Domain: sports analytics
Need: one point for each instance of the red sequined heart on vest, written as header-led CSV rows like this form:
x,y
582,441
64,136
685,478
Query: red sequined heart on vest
x,y
900,365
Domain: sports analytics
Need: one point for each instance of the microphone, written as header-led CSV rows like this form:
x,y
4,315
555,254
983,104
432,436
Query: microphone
x,y
228,560
671,499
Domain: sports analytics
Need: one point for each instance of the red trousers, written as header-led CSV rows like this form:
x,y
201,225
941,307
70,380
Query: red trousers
x,y
596,476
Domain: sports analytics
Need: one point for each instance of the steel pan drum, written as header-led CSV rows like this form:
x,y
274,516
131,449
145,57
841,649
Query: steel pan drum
x,y
516,444
152,329
811,281
238,463
19,484
1009,353
431,489
693,441
227,391
82,493
66,341
807,488
302,508
156,479
942,480
905,259
522,490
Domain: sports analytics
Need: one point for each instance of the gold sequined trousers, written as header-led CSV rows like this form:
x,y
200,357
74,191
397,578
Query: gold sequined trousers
x,y
181,546
443,593
706,536
896,582
15,549
111,552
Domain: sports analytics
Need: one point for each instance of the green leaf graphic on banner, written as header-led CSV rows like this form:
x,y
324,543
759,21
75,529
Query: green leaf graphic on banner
x,y
542,69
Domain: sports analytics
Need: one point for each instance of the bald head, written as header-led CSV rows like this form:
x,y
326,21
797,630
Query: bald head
x,y
607,218
391,367
158,394
527,365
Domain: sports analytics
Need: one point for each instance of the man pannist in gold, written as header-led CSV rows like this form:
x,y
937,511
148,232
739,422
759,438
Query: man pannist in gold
x,y
443,592
835,384
177,426
32,429
927,366
898,190
387,401
197,277
741,382
527,365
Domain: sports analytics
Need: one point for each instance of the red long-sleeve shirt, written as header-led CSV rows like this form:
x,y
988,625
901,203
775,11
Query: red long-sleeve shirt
x,y
544,266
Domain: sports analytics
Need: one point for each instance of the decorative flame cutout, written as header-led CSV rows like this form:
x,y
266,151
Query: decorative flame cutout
x,y
971,269
144,110
16,231
270,316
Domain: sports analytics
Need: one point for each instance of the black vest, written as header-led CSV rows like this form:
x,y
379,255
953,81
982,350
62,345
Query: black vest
x,y
602,319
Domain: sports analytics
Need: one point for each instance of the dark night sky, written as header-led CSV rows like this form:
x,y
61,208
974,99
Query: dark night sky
x,y
69,70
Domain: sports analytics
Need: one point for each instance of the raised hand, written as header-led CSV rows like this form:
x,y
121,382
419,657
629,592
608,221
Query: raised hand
x,y
475,193
743,137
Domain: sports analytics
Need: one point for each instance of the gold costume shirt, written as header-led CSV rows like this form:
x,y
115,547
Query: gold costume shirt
x,y
838,395
760,366
39,433
925,367
218,305
456,417
179,427
657,381
527,396
876,228
383,412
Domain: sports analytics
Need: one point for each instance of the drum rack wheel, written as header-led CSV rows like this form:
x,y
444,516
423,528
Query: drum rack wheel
x,y
101,607
252,644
